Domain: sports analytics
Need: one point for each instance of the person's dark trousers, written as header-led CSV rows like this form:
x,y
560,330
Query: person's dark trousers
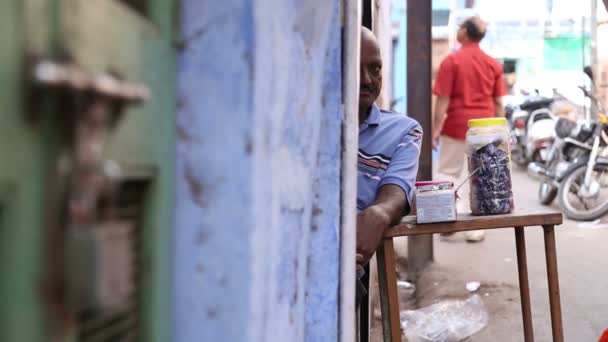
x,y
362,303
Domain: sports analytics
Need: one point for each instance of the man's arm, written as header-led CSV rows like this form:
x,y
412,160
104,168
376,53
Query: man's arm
x,y
441,108
393,196
444,82
500,90
499,107
386,211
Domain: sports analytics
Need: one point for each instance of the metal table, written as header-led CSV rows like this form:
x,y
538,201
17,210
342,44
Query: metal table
x,y
387,276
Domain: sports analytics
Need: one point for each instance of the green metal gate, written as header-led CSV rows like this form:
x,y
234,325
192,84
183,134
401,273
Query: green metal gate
x,y
55,58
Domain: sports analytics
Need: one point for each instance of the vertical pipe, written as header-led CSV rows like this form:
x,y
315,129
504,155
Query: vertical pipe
x,y
350,145
587,111
593,59
420,248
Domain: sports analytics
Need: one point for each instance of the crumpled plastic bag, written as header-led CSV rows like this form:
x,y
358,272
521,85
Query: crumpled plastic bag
x,y
446,321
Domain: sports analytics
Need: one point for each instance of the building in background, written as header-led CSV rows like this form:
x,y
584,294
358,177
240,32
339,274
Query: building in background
x,y
399,56
542,44
384,31
440,46
602,52
440,49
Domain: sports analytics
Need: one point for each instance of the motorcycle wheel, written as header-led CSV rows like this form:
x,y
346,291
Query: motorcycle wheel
x,y
574,205
519,158
547,192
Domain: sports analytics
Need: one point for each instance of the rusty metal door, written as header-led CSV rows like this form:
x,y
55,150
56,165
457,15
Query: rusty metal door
x,y
86,155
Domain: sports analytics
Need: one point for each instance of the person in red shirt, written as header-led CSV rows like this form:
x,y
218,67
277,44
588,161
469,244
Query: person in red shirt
x,y
469,85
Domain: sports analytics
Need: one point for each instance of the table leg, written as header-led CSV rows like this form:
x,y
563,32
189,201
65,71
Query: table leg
x,y
524,291
553,279
364,322
389,300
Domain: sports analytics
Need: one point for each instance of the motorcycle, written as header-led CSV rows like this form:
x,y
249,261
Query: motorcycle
x,y
571,143
532,126
517,124
583,194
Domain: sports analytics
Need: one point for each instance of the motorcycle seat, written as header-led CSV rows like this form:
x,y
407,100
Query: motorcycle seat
x,y
536,103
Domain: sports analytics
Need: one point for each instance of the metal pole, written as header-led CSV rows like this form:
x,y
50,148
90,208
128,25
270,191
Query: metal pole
x,y
587,113
420,248
351,11
594,59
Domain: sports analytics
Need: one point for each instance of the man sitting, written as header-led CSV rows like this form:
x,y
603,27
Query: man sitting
x,y
389,147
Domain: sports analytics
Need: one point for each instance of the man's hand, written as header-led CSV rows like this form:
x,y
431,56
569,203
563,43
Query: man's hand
x,y
360,262
499,107
371,224
435,140
388,209
441,107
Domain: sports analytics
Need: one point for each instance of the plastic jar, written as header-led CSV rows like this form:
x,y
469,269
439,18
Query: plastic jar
x,y
489,165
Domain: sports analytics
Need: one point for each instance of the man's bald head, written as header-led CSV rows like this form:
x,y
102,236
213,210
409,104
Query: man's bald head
x,y
370,82
473,29
368,36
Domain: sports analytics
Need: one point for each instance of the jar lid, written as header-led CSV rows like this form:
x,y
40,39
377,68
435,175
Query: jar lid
x,y
487,122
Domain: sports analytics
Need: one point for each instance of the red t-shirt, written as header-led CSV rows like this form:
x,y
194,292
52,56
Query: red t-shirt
x,y
472,80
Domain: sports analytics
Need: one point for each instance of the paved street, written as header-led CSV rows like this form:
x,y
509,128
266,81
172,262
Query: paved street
x,y
583,274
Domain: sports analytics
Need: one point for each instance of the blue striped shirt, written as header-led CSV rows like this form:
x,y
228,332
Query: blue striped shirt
x,y
389,147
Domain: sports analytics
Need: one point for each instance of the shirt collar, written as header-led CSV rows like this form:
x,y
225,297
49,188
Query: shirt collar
x,y
373,119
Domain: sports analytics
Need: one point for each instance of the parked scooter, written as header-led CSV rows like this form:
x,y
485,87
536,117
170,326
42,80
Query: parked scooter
x,y
532,127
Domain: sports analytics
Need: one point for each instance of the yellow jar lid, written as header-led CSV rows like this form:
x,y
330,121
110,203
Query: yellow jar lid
x,y
487,122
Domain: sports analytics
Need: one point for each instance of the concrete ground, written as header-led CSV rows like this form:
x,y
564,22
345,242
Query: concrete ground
x,y
583,274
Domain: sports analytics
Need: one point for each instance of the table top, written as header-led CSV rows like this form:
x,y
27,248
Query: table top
x,y
469,222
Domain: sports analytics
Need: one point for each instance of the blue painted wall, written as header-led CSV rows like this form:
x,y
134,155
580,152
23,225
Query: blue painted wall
x,y
399,15
322,291
258,172
213,203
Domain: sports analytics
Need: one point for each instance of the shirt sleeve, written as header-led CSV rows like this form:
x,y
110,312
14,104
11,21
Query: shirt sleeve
x,y
444,80
403,168
500,87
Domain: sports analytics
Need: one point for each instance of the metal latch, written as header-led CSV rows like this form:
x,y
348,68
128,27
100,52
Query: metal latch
x,y
71,76
90,250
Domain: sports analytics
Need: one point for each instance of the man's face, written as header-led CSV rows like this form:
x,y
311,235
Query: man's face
x,y
371,73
